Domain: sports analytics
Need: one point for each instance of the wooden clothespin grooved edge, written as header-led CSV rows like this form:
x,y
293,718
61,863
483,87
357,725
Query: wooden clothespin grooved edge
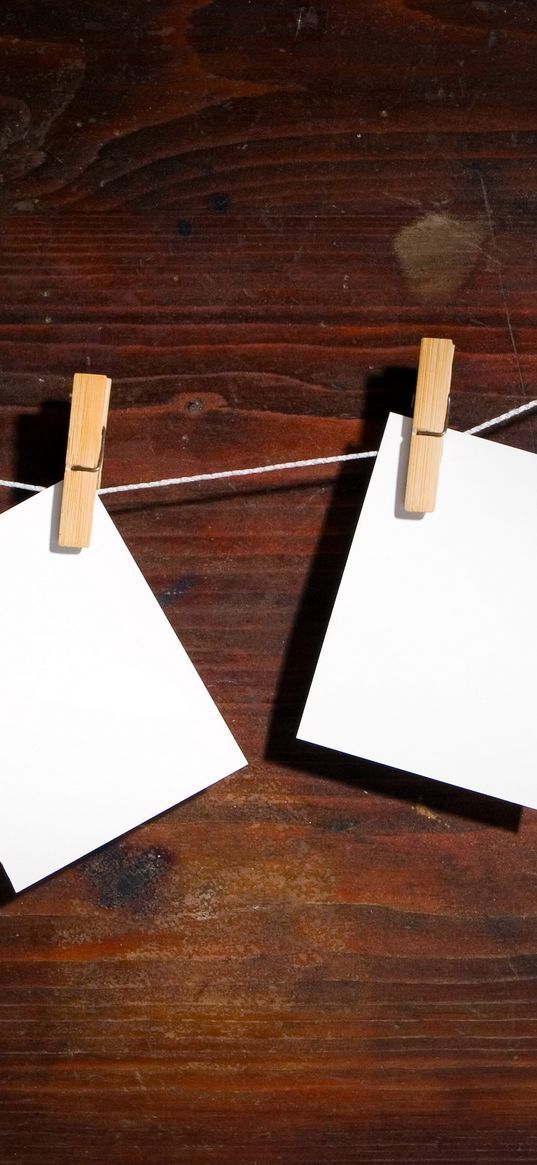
x,y
429,424
84,458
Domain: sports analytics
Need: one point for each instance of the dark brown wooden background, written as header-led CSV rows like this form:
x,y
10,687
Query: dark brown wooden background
x,y
248,212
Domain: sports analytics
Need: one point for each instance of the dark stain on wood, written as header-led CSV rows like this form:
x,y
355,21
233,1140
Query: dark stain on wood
x,y
122,876
178,589
220,202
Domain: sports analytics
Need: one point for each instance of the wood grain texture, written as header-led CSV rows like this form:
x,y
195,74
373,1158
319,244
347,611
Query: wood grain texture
x,y
248,215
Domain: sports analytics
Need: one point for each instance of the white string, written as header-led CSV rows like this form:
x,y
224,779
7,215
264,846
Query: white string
x,y
22,485
503,418
281,466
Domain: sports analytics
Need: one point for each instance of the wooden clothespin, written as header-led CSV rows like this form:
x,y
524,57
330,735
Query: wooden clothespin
x,y
429,424
84,458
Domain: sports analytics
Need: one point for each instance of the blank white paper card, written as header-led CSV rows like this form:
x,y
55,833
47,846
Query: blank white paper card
x,y
430,658
104,721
